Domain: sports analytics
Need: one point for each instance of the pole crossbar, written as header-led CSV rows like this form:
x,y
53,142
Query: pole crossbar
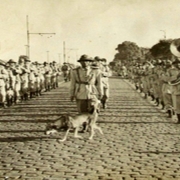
x,y
28,37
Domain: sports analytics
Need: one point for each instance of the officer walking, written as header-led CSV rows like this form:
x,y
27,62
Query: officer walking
x,y
83,88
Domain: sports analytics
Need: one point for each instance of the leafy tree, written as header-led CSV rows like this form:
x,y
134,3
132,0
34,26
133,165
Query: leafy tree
x,y
161,50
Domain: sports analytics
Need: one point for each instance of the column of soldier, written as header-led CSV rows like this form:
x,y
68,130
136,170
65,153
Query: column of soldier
x,y
24,80
159,80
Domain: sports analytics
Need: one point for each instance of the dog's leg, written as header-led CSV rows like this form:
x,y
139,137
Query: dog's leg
x,y
65,137
98,128
93,127
92,132
76,133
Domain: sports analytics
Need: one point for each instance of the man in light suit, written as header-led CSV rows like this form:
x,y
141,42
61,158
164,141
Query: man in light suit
x,y
85,84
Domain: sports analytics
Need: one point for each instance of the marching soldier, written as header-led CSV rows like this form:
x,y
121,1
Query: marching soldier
x,y
83,87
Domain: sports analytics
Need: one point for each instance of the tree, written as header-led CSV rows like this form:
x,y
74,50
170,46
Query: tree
x,y
161,50
129,51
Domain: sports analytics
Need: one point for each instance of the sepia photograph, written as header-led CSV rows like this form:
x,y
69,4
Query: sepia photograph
x,y
89,90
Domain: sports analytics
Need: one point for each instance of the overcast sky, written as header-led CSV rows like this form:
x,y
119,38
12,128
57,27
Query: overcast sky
x,y
94,27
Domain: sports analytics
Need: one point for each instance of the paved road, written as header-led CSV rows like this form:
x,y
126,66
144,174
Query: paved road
x,y
139,142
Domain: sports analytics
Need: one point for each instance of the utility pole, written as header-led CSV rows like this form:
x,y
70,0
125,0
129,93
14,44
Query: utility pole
x,y
47,56
64,51
71,49
28,36
59,58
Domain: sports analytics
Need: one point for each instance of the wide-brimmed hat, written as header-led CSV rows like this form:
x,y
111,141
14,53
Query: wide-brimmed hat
x,y
45,63
27,60
97,58
54,62
85,58
11,61
103,60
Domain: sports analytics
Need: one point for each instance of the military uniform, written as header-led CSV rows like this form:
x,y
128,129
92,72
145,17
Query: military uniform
x,y
3,79
47,76
175,88
85,84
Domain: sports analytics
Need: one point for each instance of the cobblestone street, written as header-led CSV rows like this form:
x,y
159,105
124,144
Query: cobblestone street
x,y
139,141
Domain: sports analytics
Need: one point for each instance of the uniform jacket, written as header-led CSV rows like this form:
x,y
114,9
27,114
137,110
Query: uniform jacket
x,y
90,85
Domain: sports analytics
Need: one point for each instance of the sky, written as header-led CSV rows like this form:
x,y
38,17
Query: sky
x,y
92,27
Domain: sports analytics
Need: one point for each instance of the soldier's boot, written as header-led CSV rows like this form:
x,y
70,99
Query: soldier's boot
x,y
136,87
148,93
152,96
157,101
169,113
145,96
163,105
49,88
4,105
141,89
178,116
26,96
31,95
22,98
40,92
15,99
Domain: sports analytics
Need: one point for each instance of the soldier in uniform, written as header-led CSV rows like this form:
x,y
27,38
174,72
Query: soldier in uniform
x,y
54,74
3,79
14,80
85,84
47,76
25,71
174,81
65,70
166,88
106,73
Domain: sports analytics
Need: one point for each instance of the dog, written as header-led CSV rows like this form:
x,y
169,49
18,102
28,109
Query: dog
x,y
58,125
75,122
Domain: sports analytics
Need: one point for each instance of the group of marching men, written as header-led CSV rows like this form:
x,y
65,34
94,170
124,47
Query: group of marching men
x,y
159,79
24,79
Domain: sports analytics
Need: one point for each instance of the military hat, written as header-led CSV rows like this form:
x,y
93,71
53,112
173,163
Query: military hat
x,y
11,61
45,63
104,60
54,62
97,58
85,58
36,63
27,60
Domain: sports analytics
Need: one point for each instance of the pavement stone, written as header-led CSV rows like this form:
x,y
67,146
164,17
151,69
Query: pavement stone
x,y
139,141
